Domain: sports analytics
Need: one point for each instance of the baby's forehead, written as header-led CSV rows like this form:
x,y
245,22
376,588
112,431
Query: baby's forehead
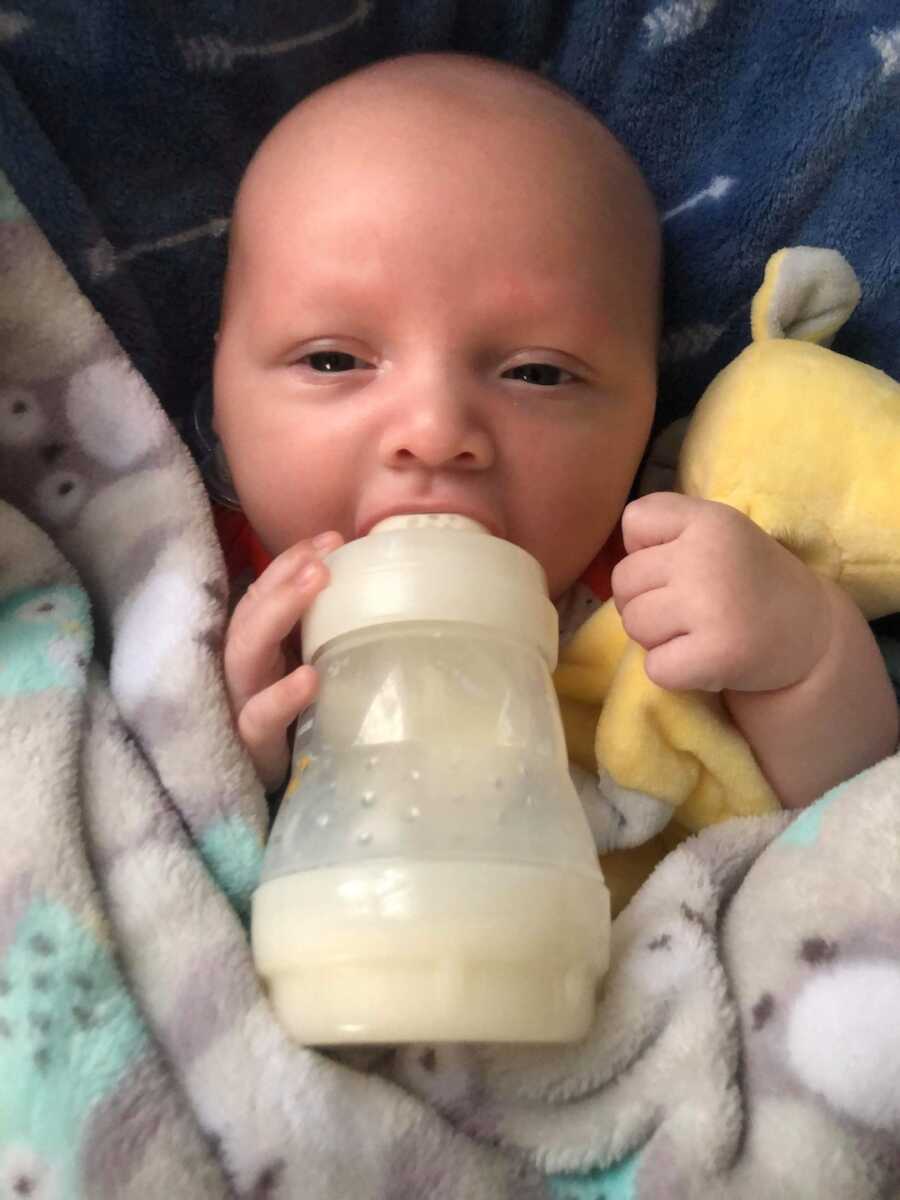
x,y
437,107
459,135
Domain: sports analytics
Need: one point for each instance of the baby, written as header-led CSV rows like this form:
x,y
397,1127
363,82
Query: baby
x,y
443,294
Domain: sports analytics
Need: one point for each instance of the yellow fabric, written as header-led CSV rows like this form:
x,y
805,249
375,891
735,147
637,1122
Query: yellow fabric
x,y
806,443
677,746
807,294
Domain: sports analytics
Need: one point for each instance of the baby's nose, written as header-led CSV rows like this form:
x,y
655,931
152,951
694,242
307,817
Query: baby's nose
x,y
437,432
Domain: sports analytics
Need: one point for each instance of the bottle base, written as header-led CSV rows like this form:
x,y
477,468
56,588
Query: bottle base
x,y
366,1003
432,952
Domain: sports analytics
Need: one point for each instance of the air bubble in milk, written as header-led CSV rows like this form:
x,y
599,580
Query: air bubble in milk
x,y
368,799
323,820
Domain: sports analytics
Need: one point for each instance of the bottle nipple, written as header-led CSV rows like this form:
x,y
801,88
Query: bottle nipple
x,y
427,521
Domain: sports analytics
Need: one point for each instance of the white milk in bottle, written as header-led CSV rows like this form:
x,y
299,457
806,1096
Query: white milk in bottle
x,y
431,875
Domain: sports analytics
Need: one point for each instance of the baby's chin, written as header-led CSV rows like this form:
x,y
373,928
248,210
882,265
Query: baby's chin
x,y
559,585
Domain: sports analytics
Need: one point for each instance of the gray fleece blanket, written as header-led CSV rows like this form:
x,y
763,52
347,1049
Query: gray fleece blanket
x,y
746,1040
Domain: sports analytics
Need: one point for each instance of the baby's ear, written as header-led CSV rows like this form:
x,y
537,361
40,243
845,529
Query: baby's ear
x,y
807,294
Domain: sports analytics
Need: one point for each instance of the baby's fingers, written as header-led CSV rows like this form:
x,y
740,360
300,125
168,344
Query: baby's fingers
x,y
254,656
652,618
657,519
643,571
263,722
684,664
287,565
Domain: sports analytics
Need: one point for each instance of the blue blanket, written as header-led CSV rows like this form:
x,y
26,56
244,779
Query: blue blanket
x,y
124,128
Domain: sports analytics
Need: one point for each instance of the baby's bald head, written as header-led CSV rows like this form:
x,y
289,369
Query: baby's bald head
x,y
451,112
442,290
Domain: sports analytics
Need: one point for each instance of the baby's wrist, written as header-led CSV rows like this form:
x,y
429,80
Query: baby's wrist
x,y
822,614
796,661
835,721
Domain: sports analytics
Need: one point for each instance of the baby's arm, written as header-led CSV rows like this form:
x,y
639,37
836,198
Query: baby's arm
x,y
721,606
266,689
838,720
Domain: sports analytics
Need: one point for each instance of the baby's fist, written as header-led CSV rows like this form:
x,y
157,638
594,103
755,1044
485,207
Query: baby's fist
x,y
716,602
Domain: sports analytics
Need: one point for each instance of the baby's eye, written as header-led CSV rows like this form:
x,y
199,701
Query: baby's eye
x,y
332,361
542,374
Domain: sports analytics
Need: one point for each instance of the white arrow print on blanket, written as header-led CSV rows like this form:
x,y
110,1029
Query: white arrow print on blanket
x,y
720,186
670,22
214,53
887,43
103,258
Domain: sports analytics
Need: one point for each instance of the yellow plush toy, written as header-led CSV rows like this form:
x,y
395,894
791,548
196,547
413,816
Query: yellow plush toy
x,y
805,442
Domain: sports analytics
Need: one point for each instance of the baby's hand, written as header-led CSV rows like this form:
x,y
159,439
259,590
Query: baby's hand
x,y
267,691
717,603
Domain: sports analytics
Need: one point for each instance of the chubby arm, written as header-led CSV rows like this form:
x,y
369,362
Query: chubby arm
x,y
721,606
838,720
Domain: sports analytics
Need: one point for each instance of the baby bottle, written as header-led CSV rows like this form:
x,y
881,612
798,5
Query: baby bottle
x,y
431,875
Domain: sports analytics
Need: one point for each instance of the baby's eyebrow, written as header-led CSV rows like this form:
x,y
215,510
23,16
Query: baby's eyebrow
x,y
545,297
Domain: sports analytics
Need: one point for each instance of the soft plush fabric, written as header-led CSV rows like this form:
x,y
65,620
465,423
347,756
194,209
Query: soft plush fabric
x,y
746,1039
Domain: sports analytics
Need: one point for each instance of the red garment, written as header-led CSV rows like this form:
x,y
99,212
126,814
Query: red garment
x,y
244,553
598,573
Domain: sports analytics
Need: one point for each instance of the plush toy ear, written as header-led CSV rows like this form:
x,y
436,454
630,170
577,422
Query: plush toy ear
x,y
807,294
